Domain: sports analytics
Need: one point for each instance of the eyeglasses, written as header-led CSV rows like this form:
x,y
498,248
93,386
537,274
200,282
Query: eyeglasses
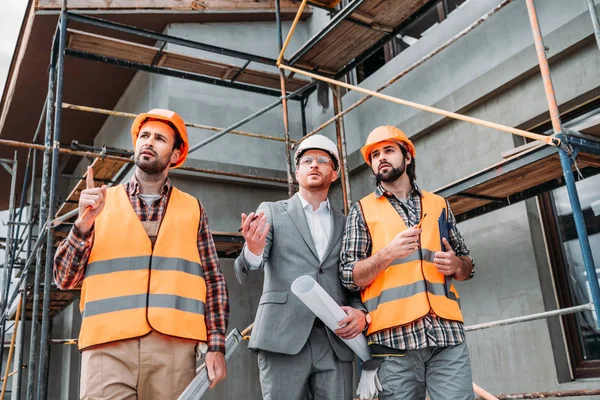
x,y
308,160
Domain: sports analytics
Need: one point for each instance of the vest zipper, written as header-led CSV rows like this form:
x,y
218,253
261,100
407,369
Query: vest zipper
x,y
162,218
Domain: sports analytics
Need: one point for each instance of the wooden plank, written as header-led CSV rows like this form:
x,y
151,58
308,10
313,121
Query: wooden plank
x,y
111,47
180,5
348,40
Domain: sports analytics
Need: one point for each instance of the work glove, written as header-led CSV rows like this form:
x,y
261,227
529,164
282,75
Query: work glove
x,y
201,349
369,385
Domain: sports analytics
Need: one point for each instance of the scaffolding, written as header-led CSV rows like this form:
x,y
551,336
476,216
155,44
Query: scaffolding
x,y
474,195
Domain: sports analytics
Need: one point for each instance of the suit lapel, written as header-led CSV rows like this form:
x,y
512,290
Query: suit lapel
x,y
337,228
296,213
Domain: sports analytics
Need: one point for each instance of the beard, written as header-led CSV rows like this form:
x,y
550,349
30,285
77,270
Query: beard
x,y
392,175
153,166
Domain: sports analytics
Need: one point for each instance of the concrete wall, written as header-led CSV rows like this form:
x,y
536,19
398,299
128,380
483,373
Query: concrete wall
x,y
489,74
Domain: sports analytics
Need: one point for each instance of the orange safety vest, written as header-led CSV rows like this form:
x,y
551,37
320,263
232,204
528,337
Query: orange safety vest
x,y
412,286
131,288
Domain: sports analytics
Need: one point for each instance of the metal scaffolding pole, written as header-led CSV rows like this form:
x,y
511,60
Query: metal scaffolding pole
x,y
595,22
25,275
43,215
548,395
190,124
9,234
286,122
130,160
8,250
565,160
341,141
531,317
14,253
45,331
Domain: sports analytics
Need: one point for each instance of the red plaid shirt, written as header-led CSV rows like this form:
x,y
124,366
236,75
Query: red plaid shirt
x,y
73,253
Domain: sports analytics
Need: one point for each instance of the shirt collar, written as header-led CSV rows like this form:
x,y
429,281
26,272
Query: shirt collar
x,y
380,191
134,186
306,205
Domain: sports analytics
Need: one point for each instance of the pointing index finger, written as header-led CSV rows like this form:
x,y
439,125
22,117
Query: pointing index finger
x,y
89,178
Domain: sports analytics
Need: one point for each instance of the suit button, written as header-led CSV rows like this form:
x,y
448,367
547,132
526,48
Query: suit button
x,y
321,270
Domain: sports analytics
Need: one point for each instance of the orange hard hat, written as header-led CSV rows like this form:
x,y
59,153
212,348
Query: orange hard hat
x,y
386,134
170,118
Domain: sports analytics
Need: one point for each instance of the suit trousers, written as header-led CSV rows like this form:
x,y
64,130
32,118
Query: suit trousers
x,y
314,371
154,366
444,372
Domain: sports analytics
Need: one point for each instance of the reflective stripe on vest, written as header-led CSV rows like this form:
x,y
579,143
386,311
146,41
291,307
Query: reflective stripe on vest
x,y
131,288
410,287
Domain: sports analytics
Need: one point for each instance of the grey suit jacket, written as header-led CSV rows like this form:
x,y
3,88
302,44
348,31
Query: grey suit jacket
x,y
283,323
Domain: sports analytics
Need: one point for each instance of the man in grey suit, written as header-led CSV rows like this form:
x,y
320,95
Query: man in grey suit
x,y
297,355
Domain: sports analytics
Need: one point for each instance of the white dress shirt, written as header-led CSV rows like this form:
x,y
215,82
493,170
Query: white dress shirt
x,y
319,224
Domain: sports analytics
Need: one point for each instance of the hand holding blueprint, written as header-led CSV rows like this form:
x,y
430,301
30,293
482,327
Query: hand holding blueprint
x,y
328,311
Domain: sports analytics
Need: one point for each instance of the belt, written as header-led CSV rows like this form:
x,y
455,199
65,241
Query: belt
x,y
378,350
318,323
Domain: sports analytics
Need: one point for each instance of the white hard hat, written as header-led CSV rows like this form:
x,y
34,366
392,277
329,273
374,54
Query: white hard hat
x,y
318,142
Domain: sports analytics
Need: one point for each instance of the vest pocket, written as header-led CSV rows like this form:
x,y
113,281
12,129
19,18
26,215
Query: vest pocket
x,y
274,297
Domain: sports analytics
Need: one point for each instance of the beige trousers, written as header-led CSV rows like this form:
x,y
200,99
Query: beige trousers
x,y
155,366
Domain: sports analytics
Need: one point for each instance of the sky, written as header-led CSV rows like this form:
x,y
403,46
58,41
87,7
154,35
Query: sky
x,y
11,17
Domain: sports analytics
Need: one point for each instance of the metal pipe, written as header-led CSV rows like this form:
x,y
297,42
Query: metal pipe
x,y
170,39
190,124
10,244
129,160
286,124
595,22
257,114
565,160
550,140
291,32
341,141
9,241
45,330
64,341
531,317
412,67
545,395
25,275
303,113
544,68
482,393
43,213
12,350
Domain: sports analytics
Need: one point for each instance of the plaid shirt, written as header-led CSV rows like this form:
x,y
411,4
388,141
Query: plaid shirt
x,y
73,253
429,330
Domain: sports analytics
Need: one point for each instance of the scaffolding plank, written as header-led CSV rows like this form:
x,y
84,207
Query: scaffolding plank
x,y
336,45
130,51
524,175
179,5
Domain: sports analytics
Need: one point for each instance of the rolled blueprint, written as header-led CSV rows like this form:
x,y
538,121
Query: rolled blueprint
x,y
328,311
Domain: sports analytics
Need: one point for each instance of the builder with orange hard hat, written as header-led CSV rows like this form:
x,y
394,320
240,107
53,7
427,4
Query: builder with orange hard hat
x,y
153,293
401,249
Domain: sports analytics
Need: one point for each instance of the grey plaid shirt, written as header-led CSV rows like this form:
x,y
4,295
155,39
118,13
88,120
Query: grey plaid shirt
x,y
428,331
